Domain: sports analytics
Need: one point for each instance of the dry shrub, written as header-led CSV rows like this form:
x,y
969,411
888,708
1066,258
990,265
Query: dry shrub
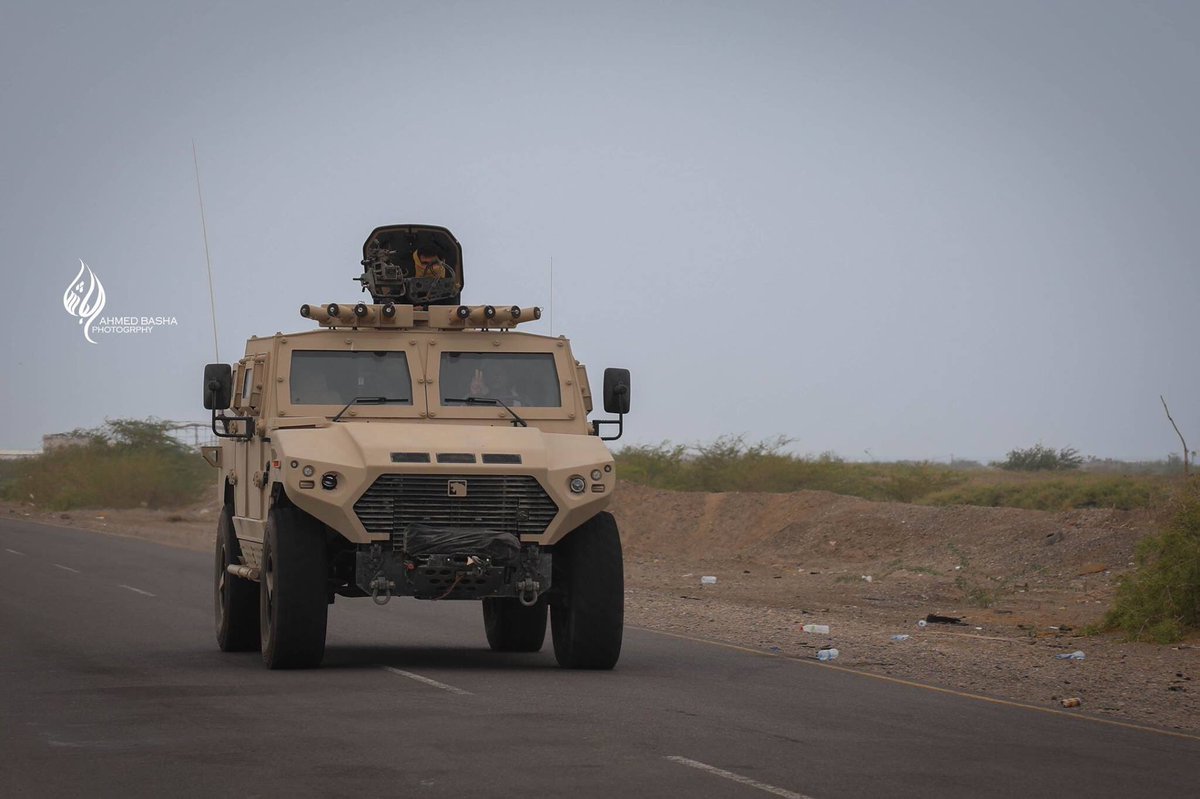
x,y
127,463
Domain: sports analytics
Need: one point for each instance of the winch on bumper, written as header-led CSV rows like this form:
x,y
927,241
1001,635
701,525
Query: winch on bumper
x,y
430,562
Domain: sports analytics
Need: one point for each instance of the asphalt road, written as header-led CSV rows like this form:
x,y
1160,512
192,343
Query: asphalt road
x,y
112,685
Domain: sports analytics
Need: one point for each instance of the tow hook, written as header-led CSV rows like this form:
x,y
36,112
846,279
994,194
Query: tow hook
x,y
381,586
528,592
381,589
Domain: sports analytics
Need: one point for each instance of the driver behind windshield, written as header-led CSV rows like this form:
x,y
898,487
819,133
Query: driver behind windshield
x,y
496,383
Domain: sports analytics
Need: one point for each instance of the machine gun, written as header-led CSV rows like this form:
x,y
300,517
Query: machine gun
x,y
389,265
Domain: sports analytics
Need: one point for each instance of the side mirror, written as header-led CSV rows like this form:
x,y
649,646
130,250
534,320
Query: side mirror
x,y
616,391
218,386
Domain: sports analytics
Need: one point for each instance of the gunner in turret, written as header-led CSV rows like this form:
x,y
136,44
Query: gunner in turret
x,y
427,263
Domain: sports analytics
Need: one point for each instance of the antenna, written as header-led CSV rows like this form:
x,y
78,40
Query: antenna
x,y
551,314
212,303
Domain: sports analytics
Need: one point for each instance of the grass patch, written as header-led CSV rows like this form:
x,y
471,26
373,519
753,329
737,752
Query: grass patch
x,y
125,464
899,566
975,595
732,464
1055,492
1160,601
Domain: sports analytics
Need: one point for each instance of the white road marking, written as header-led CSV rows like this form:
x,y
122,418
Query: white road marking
x,y
15,552
427,681
134,590
729,775
65,568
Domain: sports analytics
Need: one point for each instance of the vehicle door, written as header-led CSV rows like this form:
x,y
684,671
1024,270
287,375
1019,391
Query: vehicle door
x,y
252,466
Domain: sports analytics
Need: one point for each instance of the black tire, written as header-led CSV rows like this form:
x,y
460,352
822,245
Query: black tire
x,y
293,591
587,609
512,627
235,600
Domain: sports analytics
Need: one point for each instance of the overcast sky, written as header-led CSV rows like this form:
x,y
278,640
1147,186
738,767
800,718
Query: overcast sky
x,y
887,229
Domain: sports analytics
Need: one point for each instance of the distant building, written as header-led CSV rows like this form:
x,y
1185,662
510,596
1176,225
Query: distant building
x,y
18,454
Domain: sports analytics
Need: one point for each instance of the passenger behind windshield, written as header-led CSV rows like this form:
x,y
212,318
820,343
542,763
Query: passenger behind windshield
x,y
321,377
517,379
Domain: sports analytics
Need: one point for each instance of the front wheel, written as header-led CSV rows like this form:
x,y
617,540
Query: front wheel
x,y
293,590
587,611
235,599
512,627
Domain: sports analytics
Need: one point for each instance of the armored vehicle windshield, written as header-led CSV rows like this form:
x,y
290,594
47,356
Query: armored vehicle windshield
x,y
527,379
324,377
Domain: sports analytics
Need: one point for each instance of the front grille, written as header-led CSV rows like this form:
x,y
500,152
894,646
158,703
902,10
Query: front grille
x,y
506,503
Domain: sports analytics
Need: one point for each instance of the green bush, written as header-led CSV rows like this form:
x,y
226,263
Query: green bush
x,y
9,472
1041,458
1160,601
126,463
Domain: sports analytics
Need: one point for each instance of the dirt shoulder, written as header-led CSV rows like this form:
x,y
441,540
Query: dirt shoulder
x,y
187,528
1024,584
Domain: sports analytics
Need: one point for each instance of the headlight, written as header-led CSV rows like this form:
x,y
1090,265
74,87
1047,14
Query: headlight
x,y
597,474
577,484
308,471
329,481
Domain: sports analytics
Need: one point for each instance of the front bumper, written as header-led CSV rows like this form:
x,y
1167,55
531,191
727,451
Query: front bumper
x,y
453,563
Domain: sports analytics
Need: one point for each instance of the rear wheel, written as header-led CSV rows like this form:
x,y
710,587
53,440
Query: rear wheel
x,y
235,599
512,627
293,591
587,611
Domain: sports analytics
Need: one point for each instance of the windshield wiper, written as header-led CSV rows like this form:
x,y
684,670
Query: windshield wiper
x,y
368,401
517,420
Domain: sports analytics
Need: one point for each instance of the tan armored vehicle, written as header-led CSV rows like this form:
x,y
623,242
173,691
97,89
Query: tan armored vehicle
x,y
414,446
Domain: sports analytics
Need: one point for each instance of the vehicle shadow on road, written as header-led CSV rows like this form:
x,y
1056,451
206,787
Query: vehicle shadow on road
x,y
449,657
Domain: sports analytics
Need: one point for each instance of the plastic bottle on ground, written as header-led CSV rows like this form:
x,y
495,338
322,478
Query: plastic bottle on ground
x,y
827,654
708,580
901,637
1076,655
816,628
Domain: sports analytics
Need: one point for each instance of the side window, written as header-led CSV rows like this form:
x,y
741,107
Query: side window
x,y
239,378
247,386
